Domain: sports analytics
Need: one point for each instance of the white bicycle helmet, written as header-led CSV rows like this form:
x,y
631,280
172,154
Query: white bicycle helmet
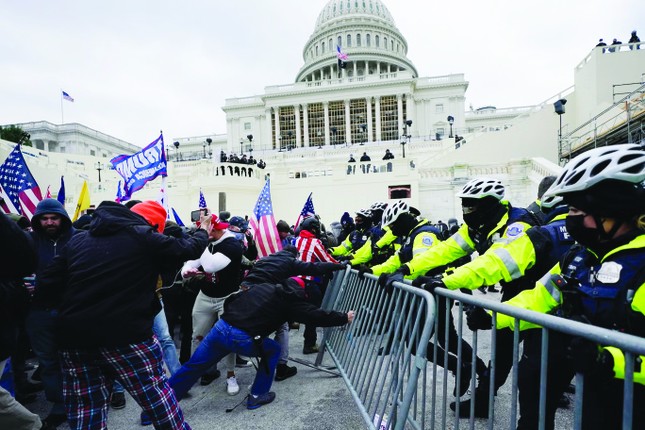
x,y
365,213
393,212
378,206
483,187
550,201
624,162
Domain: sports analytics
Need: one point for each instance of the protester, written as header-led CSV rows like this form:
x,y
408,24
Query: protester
x,y
250,316
104,281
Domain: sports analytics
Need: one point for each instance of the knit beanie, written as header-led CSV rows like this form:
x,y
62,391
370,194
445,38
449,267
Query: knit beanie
x,y
153,212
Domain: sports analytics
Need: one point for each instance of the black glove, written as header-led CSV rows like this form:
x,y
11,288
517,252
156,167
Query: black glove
x,y
588,358
339,266
343,258
387,281
478,319
429,283
332,267
362,270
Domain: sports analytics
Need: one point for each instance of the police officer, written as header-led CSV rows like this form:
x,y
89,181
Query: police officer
x,y
535,252
489,222
357,238
601,281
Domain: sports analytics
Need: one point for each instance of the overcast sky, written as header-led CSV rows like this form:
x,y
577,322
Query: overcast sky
x,y
137,67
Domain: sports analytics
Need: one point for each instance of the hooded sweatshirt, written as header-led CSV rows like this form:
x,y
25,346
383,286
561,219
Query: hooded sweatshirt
x,y
48,247
105,278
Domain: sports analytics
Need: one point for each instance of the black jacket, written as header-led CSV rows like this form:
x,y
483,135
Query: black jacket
x,y
260,310
106,278
277,267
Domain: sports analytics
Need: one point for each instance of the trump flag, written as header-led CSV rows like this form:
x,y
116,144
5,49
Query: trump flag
x,y
139,168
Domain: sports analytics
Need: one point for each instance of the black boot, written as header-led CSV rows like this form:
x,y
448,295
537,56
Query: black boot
x,y
481,399
466,375
283,371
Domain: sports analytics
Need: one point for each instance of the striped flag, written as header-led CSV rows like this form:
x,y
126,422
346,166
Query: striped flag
x,y
307,211
263,224
202,200
19,188
67,97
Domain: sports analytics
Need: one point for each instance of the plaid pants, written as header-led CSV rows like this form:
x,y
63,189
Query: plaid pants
x,y
88,376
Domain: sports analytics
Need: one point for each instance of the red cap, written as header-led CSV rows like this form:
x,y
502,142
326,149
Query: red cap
x,y
153,212
217,223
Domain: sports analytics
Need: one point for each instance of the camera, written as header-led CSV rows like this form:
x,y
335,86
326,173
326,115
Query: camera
x,y
197,214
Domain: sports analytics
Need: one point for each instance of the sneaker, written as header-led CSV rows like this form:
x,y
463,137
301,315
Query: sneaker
x,y
117,401
310,349
207,378
231,386
242,362
145,419
54,420
254,402
283,372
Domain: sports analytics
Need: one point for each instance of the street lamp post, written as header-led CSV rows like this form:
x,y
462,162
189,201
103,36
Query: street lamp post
x,y
405,138
559,109
99,167
210,152
204,153
176,143
451,121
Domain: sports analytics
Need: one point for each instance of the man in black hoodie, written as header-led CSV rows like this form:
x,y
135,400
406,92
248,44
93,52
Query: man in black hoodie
x,y
52,229
104,281
267,300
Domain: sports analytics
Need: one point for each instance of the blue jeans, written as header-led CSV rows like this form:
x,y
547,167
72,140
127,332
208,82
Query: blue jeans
x,y
40,327
160,329
222,340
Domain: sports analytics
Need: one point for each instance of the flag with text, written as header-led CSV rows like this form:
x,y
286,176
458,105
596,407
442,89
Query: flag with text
x,y
139,168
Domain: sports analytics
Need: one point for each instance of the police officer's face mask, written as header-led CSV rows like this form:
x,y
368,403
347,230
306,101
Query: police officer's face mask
x,y
585,236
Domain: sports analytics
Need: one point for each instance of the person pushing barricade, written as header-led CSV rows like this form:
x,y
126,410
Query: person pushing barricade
x,y
250,316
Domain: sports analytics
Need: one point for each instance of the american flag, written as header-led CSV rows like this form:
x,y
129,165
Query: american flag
x,y
67,97
18,188
307,210
340,54
263,224
202,200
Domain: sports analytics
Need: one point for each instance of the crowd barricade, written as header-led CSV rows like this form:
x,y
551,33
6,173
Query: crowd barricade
x,y
382,356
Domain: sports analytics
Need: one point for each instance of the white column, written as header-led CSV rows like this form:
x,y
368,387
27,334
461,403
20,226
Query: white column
x,y
378,118
411,111
266,141
355,69
326,108
368,106
348,125
296,111
378,67
229,135
276,111
305,121
399,107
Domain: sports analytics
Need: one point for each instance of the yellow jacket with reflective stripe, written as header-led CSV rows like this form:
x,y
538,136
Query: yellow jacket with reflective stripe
x,y
364,253
423,241
461,244
546,296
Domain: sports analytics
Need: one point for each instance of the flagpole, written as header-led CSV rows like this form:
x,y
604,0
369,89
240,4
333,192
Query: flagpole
x,y
62,117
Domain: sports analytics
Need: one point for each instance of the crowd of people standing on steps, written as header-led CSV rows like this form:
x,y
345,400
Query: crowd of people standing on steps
x,y
108,292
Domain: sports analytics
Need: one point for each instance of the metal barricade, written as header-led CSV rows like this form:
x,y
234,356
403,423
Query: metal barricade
x,y
381,355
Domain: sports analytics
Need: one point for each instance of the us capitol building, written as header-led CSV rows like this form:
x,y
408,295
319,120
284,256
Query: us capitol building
x,y
305,131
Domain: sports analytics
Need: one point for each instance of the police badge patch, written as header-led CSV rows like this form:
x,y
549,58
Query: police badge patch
x,y
514,230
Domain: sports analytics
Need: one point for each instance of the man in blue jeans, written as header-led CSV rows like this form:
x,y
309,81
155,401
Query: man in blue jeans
x,y
250,316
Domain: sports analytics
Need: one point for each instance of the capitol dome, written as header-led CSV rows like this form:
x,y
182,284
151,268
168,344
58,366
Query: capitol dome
x,y
365,31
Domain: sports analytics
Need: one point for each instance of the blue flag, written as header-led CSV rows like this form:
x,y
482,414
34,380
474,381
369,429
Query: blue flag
x,y
307,210
177,219
141,167
202,200
61,192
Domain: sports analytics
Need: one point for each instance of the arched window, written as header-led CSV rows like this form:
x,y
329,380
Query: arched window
x,y
377,41
322,48
316,50
367,39
349,40
385,42
331,45
358,39
340,41
391,45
